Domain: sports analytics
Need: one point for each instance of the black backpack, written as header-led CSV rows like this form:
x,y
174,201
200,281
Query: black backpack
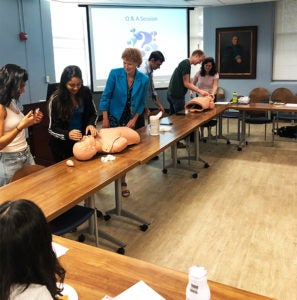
x,y
287,131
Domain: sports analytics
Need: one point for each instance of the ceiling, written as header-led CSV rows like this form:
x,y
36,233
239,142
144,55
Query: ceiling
x,y
167,3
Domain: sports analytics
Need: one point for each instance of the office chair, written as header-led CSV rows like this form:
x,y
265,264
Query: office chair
x,y
51,88
258,95
68,221
284,95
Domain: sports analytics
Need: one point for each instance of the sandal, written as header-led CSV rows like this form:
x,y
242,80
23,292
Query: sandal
x,y
125,191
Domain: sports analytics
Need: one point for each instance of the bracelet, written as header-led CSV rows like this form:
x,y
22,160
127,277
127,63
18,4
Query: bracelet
x,y
18,129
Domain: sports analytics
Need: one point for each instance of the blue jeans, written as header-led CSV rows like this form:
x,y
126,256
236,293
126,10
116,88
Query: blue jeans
x,y
10,162
176,104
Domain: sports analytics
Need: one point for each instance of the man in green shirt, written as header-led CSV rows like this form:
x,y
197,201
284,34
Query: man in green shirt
x,y
180,82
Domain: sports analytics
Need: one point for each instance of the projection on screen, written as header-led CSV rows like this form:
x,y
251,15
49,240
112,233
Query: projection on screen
x,y
111,30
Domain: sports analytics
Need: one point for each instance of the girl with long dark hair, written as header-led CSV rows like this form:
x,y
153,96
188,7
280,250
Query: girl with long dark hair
x,y
72,113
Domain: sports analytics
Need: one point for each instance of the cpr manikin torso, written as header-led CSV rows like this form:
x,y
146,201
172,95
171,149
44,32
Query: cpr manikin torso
x,y
108,140
199,104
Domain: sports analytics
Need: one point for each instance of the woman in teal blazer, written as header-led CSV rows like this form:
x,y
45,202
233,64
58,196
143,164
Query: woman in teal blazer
x,y
124,96
123,100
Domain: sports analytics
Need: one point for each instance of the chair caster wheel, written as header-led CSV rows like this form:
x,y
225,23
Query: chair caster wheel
x,y
246,143
239,149
143,227
106,217
228,142
81,238
195,175
164,171
206,165
99,214
121,250
178,161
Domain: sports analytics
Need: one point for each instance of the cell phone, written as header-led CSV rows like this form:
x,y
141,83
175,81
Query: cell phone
x,y
165,121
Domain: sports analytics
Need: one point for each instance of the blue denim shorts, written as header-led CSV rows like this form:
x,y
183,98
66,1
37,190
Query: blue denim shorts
x,y
10,162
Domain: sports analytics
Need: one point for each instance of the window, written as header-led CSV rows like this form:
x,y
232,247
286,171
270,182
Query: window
x,y
70,38
196,34
285,41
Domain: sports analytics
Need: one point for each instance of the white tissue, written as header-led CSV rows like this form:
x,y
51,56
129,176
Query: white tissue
x,y
244,100
165,128
107,158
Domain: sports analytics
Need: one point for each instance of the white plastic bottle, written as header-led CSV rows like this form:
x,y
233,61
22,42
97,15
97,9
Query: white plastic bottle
x,y
197,288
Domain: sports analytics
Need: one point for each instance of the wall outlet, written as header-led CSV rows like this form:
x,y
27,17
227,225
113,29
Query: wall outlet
x,y
47,79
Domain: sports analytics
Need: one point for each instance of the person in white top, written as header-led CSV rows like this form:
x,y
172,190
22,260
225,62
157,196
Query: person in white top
x,y
29,268
208,80
14,150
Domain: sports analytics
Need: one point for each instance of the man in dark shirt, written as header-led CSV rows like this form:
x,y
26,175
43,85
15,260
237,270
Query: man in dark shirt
x,y
180,82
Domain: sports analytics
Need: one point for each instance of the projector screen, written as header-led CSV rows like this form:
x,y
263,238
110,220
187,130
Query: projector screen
x,y
112,29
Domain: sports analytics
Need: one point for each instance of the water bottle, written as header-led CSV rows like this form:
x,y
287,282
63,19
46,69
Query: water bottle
x,y
197,288
234,97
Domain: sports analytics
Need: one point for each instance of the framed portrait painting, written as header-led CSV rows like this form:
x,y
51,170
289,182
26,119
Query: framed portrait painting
x,y
236,52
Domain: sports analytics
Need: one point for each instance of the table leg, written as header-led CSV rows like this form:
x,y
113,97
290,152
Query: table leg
x,y
242,141
93,228
196,157
124,213
220,135
197,148
273,129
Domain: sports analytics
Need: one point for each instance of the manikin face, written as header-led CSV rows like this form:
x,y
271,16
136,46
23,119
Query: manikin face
x,y
130,67
74,85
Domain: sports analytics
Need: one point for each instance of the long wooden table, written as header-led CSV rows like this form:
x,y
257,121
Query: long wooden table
x,y
260,107
94,273
58,188
182,126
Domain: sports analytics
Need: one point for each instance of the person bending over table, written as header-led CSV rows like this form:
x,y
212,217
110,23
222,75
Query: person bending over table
x,y
29,268
14,150
208,80
72,114
180,83
123,100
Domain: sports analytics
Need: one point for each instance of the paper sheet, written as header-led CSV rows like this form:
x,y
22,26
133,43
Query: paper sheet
x,y
221,102
291,104
139,291
59,249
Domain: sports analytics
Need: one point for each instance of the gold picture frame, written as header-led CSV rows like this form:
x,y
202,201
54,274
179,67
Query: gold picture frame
x,y
236,52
